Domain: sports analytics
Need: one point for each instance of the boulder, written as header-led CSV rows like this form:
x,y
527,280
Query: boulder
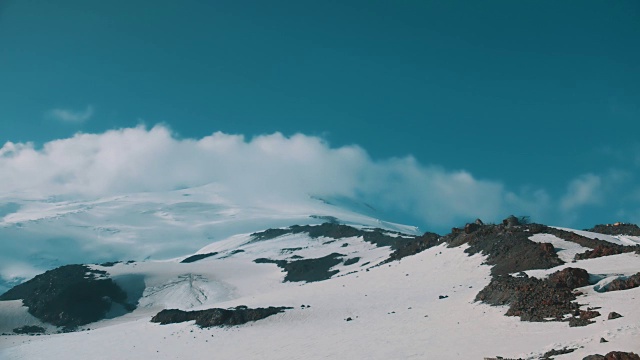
x,y
619,355
631,282
511,221
613,315
570,277
471,227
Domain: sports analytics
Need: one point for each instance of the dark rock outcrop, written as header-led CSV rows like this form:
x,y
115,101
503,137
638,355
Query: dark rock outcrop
x,y
351,261
534,299
308,270
414,246
630,282
613,315
328,229
614,355
511,221
196,257
509,250
619,355
570,278
554,352
471,227
110,263
606,250
69,296
29,329
217,317
616,229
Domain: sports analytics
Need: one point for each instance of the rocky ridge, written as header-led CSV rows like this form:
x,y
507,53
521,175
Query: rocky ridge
x,y
217,317
532,299
617,229
69,296
509,249
402,244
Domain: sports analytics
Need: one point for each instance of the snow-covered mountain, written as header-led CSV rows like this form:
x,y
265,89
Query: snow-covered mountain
x,y
314,280
39,234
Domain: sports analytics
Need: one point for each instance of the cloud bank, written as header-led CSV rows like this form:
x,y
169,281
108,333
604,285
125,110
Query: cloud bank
x,y
261,168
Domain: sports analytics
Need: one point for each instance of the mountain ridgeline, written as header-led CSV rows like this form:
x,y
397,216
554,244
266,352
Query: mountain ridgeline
x,y
75,295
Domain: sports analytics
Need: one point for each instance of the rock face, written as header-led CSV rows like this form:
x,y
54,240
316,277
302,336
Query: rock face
x,y
471,227
351,261
534,299
508,249
613,315
328,229
217,317
69,296
614,355
631,282
570,278
606,250
414,246
511,221
308,270
619,355
617,229
554,352
196,257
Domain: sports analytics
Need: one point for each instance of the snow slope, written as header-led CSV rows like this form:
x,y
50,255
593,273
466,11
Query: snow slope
x,y
41,234
396,309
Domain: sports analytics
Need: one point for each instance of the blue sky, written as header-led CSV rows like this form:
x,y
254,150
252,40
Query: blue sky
x,y
540,97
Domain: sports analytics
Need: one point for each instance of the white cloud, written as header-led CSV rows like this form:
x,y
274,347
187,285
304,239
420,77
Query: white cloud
x,y
262,168
70,115
584,190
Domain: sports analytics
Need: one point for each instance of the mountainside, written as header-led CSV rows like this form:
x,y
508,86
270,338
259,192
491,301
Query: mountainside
x,y
42,234
338,285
